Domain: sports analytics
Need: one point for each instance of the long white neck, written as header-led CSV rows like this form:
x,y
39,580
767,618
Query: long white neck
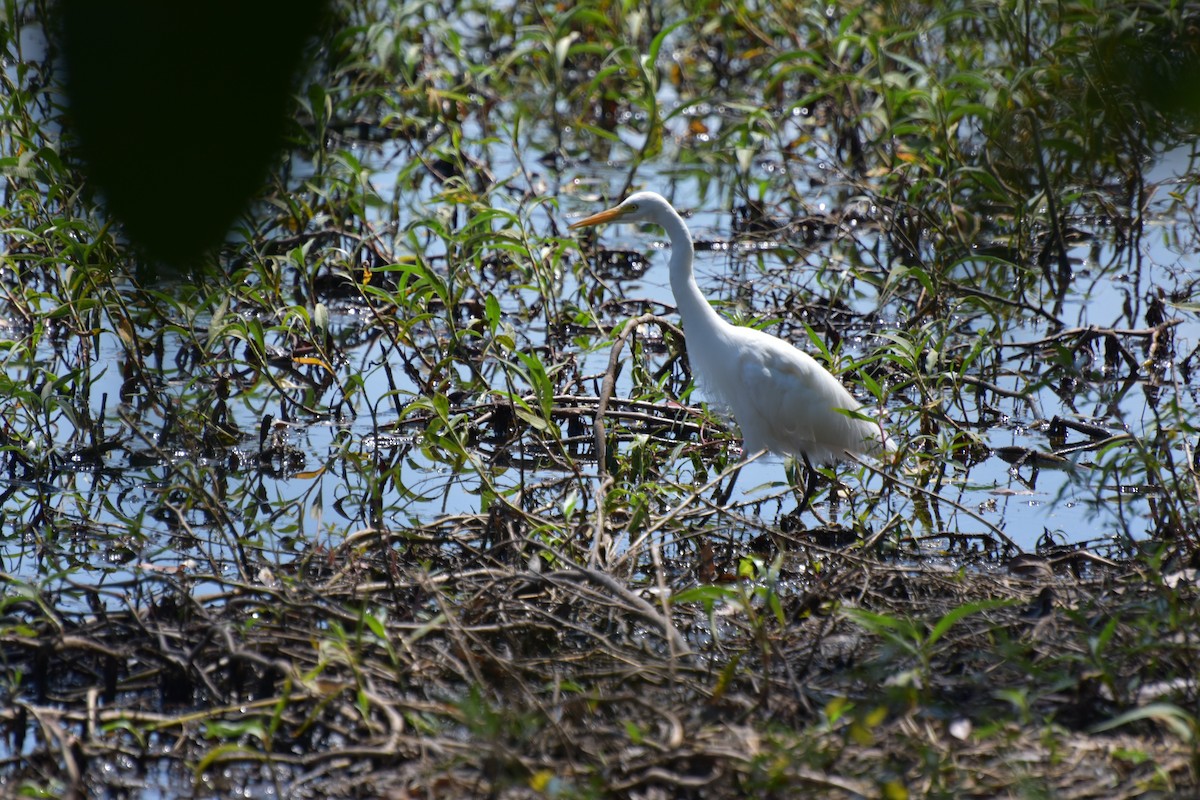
x,y
692,305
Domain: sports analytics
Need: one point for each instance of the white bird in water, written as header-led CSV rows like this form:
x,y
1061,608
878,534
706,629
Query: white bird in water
x,y
780,397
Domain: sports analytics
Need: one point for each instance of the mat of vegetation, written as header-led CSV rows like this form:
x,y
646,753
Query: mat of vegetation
x,y
405,492
389,667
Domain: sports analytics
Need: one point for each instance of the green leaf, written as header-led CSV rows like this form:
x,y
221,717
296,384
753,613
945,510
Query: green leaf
x,y
776,607
491,312
954,615
527,415
225,752
235,729
1100,643
540,381
562,47
375,625
706,594
1181,723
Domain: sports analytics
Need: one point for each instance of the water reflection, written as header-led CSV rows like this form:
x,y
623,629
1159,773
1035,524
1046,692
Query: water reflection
x,y
1041,313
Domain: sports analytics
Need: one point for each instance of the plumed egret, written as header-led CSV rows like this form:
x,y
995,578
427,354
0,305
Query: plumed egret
x,y
780,397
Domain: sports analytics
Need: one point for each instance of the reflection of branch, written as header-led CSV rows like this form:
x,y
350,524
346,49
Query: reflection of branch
x,y
606,390
577,407
1073,332
1193,467
610,380
996,389
937,498
688,502
640,607
992,297
1064,261
575,573
212,505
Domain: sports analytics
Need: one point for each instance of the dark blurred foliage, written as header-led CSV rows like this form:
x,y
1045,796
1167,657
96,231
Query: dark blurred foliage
x,y
179,109
1148,67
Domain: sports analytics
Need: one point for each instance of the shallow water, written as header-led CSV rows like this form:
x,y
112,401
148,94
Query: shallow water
x,y
1063,505
305,492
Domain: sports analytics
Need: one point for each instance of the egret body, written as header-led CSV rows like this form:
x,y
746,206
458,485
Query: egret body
x,y
780,397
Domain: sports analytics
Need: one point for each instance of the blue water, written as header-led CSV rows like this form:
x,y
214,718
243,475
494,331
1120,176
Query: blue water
x,y
316,501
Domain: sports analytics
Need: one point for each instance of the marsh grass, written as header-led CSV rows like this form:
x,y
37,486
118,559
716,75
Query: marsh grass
x,y
329,517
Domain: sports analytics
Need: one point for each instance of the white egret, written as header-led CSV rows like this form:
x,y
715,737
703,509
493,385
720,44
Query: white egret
x,y
780,397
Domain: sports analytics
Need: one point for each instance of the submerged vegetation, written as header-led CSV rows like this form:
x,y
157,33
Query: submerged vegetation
x,y
407,492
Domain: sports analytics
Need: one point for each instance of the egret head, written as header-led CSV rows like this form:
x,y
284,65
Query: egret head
x,y
639,207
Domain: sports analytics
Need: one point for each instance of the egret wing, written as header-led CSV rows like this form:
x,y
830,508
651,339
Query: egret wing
x,y
789,403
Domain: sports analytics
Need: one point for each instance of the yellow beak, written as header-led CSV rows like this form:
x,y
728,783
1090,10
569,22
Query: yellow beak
x,y
599,219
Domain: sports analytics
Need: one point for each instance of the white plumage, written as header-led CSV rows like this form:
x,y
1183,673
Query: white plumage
x,y
780,397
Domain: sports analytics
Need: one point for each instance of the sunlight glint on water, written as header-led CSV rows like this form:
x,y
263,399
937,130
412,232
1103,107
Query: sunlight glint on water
x,y
1063,503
